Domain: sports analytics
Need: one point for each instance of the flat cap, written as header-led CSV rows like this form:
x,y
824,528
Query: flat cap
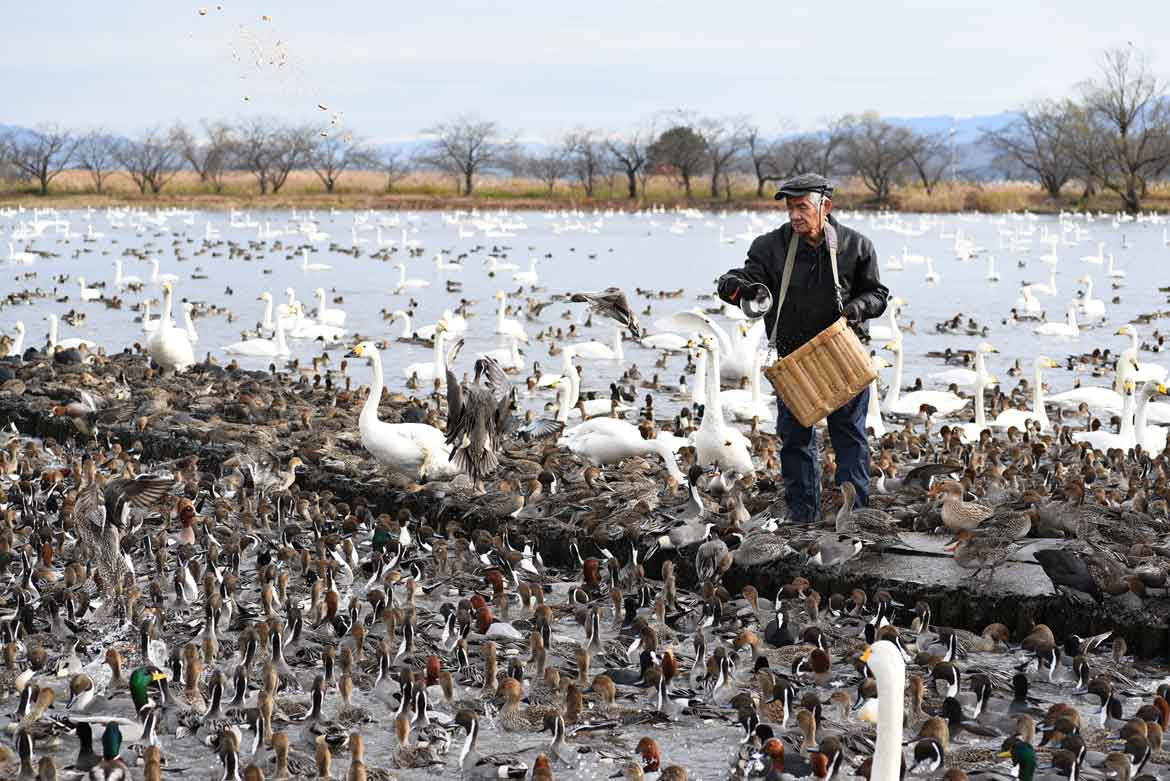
x,y
804,184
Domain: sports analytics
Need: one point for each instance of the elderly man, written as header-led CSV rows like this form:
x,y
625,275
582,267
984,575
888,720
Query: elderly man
x,y
811,304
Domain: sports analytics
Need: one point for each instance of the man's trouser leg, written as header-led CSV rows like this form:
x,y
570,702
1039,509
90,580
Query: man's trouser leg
x,y
850,443
799,466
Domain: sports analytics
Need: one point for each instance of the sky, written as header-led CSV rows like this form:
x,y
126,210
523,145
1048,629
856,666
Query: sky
x,y
387,70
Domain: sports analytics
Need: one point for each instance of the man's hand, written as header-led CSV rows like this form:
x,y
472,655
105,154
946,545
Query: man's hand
x,y
730,288
853,311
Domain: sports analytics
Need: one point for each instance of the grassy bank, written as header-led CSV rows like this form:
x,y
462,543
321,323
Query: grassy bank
x,y
367,190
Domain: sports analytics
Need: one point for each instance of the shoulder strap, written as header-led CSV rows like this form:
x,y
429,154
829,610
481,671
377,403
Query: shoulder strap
x,y
785,278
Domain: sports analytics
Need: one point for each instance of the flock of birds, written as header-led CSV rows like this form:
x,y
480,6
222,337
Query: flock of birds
x,y
245,564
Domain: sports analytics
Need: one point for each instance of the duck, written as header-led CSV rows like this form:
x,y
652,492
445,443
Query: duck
x,y
957,514
416,449
872,526
945,402
474,765
111,767
169,346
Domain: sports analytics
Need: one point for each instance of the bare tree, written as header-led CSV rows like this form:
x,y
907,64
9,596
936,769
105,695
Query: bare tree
x,y
1037,141
929,156
291,150
1124,133
723,141
682,151
465,146
151,160
96,154
549,165
394,165
329,156
876,151
761,157
270,151
587,157
630,153
40,155
208,156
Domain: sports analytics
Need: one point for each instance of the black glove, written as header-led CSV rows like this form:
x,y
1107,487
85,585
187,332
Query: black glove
x,y
730,288
853,311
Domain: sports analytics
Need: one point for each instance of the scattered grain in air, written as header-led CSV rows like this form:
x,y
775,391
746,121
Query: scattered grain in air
x,y
203,12
323,108
266,18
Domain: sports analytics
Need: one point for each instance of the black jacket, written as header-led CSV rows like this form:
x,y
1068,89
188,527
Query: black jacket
x,y
810,305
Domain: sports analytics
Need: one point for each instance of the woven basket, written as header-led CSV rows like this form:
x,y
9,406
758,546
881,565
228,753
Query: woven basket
x,y
820,376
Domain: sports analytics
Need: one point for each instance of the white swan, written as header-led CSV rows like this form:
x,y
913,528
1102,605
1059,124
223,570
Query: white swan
x,y
426,332
168,345
1046,290
303,328
261,348
1097,397
507,357
528,277
1143,371
88,293
932,276
325,315
602,406
736,349
714,441
1126,436
121,282
744,405
437,366
506,325
1092,307
1018,417
1027,302
970,432
1114,272
992,274
604,441
966,377
666,341
17,347
157,278
1152,438
599,351
188,325
307,266
19,257
945,402
64,344
1097,259
889,670
873,410
1066,329
149,325
889,332
408,284
494,266
415,449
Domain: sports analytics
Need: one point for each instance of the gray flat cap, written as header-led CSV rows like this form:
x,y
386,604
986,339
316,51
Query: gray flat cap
x,y
803,185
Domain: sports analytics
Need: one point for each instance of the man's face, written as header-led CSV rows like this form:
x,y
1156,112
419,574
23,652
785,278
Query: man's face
x,y
802,213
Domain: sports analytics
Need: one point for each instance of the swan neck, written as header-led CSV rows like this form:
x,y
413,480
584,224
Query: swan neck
x,y
370,408
699,392
895,391
887,759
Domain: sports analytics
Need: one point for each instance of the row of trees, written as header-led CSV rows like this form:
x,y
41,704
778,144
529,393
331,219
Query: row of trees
x,y
1114,135
261,146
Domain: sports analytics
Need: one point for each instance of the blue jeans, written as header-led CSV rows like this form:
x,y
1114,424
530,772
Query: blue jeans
x,y
800,464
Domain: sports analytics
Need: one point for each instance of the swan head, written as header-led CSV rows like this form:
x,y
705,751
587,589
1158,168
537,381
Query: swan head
x,y
1085,280
320,292
167,287
894,346
362,350
884,658
19,327
878,362
1044,362
1127,330
985,347
500,295
264,297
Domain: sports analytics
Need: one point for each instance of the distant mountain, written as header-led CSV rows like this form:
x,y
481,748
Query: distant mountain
x,y
967,129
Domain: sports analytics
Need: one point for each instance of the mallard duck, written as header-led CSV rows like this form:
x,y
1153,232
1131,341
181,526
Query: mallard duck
x,y
140,681
111,767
